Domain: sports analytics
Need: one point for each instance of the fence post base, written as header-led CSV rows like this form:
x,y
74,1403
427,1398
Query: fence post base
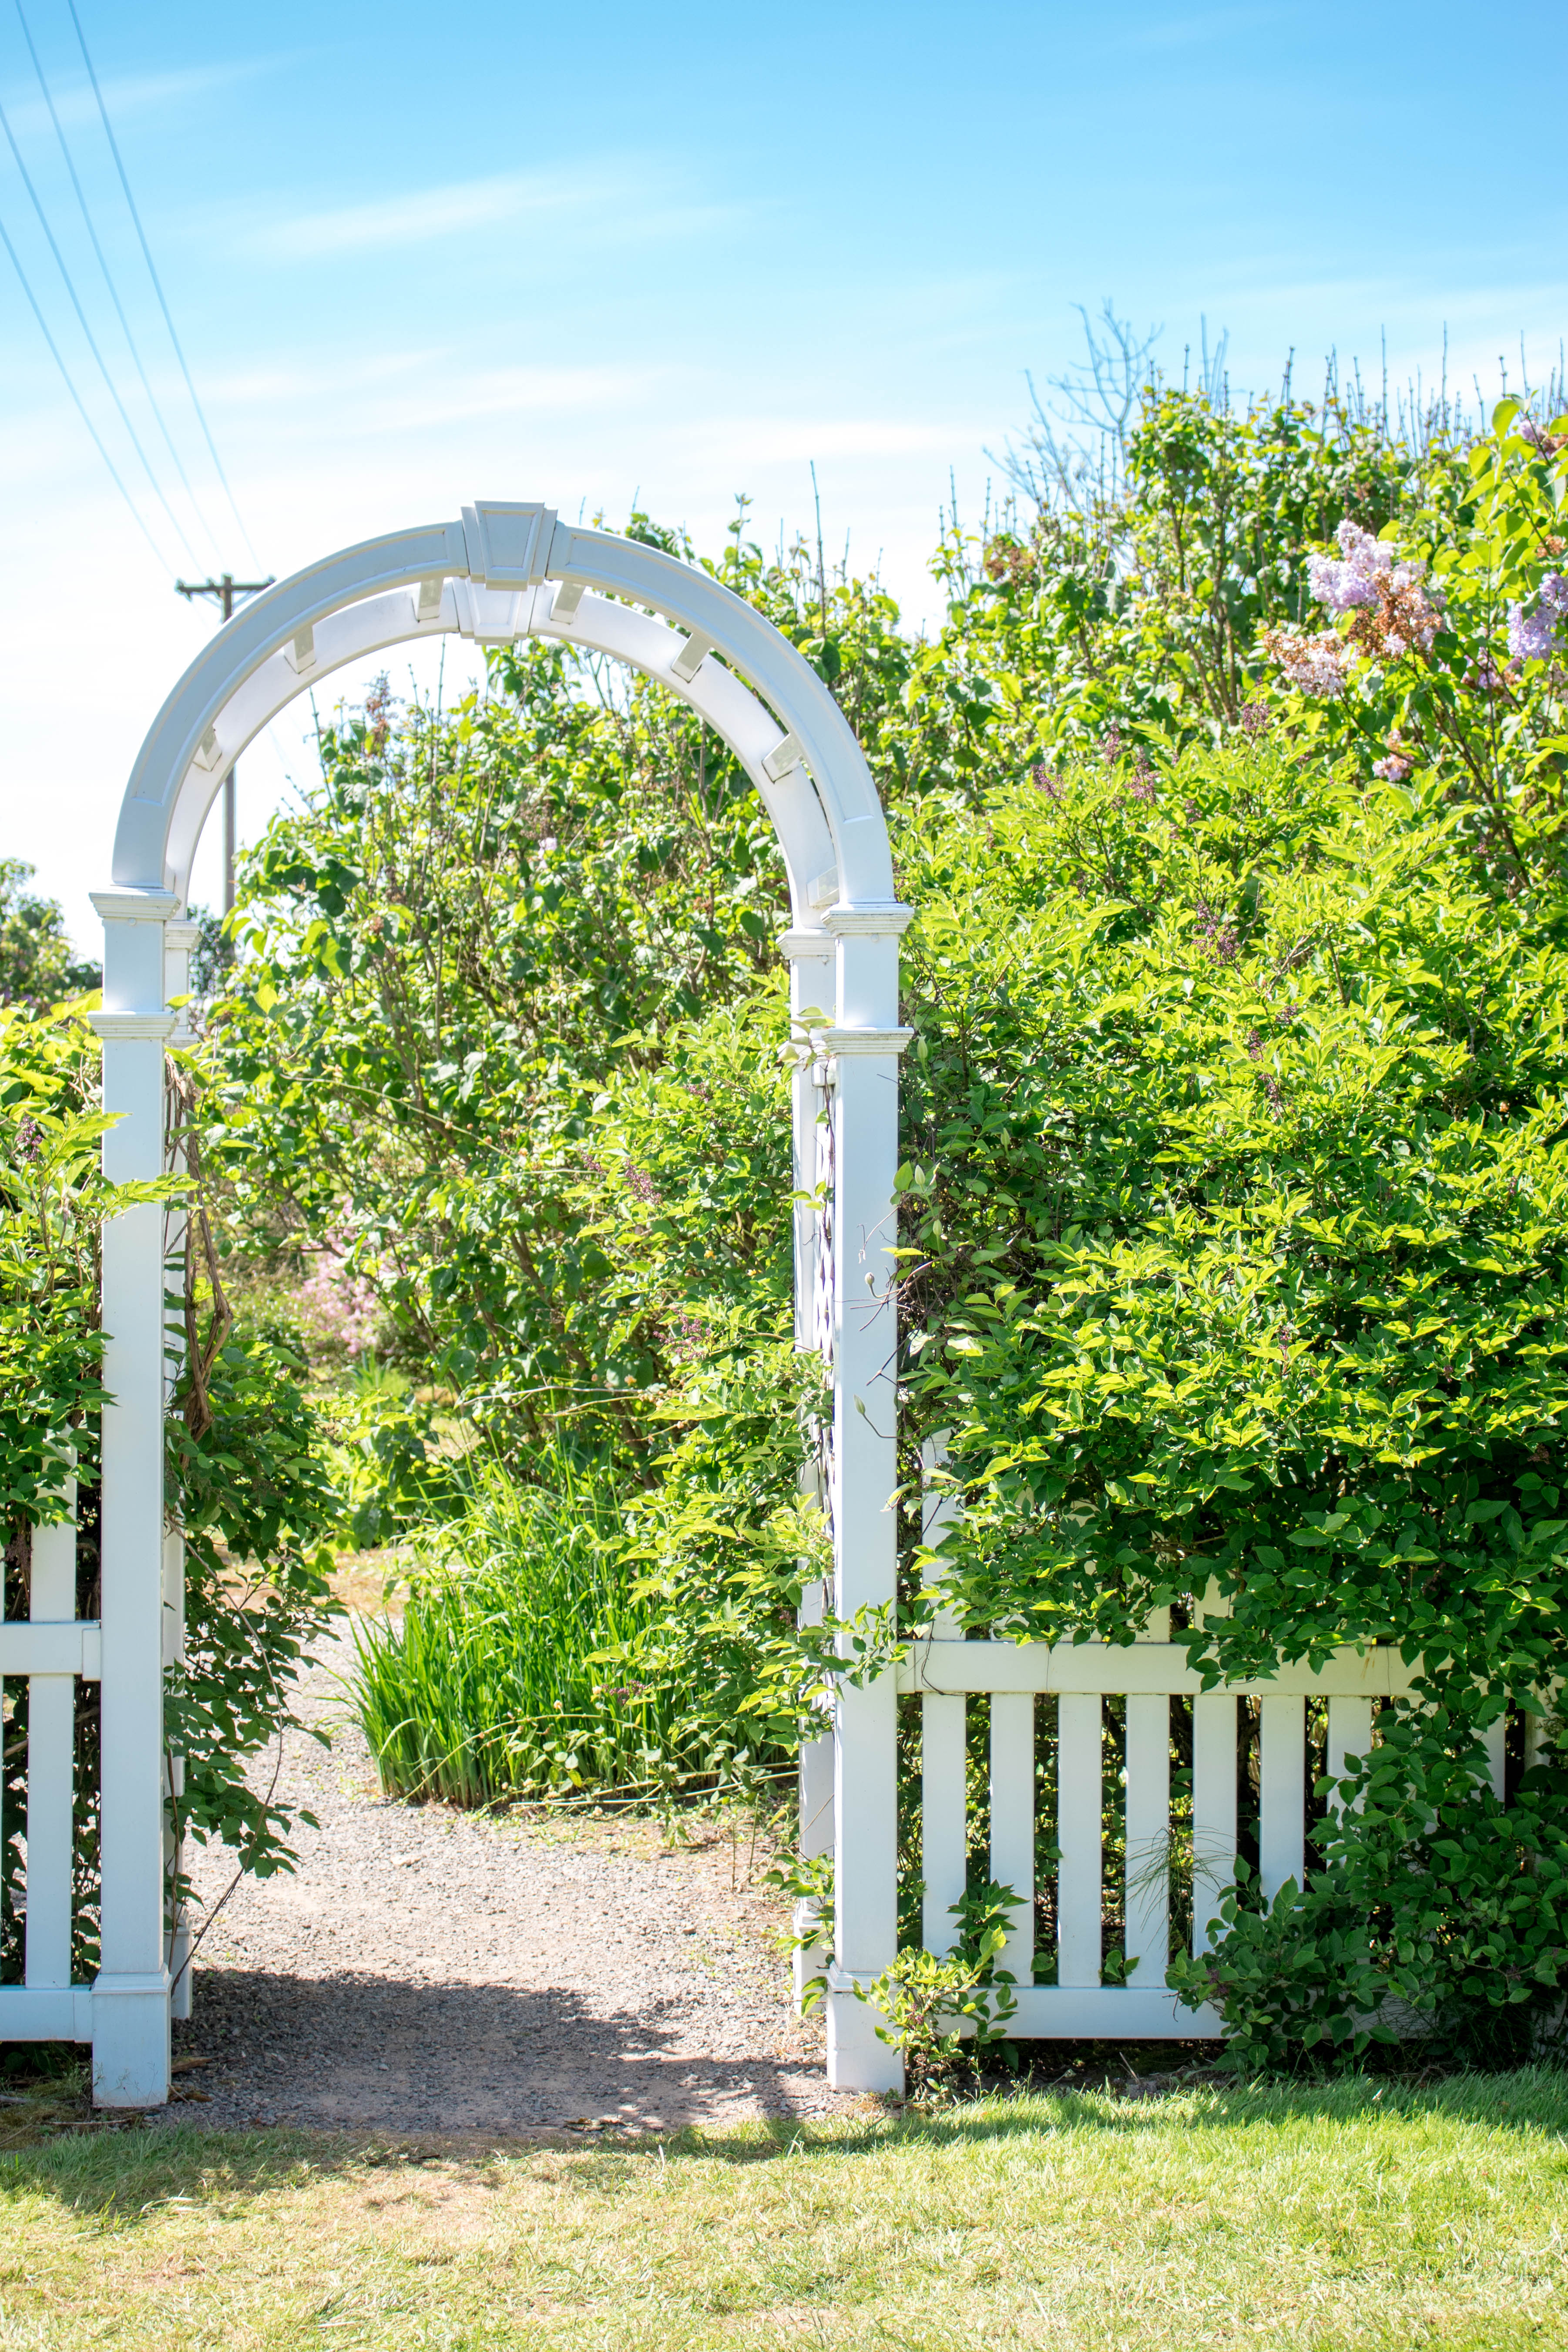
x,y
856,2061
131,2040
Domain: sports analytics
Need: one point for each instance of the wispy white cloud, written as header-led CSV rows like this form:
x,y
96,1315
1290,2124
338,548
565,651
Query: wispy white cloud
x,y
784,440
1192,31
617,198
429,390
127,96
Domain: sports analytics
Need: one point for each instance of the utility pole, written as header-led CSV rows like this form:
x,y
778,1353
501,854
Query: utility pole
x,y
224,590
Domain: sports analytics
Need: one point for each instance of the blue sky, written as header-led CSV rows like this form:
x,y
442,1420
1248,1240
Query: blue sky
x,y
418,255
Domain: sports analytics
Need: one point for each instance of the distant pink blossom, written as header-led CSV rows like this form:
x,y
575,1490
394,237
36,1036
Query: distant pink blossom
x,y
1316,662
1394,769
341,1298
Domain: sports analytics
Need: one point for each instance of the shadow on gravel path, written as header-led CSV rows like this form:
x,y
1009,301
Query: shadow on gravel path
x,y
425,1969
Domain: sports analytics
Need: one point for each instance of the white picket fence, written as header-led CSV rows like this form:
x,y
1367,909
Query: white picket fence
x,y
1047,1705
1026,1685
54,1649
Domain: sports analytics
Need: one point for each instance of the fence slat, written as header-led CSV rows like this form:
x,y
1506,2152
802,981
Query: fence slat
x,y
1214,1809
1148,1899
52,1745
1496,1737
943,1838
945,1830
1013,1822
1078,1796
1350,1734
1281,1792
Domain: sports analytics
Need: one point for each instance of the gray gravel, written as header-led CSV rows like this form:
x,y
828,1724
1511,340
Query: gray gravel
x,y
428,1970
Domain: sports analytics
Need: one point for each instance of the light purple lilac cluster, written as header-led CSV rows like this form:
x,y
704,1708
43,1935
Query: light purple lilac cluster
x,y
1532,636
1394,769
1342,585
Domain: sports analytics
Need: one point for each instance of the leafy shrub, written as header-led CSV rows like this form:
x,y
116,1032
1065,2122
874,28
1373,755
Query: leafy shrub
x,y
246,1471
946,2015
251,1484
1235,1191
1436,1914
53,1200
36,967
396,1454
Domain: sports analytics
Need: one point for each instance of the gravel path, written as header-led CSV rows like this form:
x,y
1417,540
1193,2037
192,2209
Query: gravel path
x,y
430,1970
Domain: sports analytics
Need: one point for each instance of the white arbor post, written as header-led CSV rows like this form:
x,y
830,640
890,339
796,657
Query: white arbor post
x,y
865,1044
130,1993
812,985
179,939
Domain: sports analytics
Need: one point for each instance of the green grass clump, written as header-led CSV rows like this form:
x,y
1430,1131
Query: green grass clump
x,y
487,1689
1342,2218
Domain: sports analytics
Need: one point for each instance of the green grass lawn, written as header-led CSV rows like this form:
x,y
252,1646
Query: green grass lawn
x,y
1348,2215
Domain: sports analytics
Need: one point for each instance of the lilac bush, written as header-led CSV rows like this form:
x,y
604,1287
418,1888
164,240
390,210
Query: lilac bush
x,y
1445,668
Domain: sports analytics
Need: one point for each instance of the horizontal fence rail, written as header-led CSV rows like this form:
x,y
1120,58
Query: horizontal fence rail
x,y
1152,1666
52,1648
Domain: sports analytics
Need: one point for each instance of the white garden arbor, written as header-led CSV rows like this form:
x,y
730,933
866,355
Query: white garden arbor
x,y
500,571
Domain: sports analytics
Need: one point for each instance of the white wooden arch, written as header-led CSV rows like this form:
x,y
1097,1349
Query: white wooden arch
x,y
504,571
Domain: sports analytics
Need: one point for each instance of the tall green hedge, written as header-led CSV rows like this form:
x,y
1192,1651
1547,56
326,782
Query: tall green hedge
x,y
1236,1206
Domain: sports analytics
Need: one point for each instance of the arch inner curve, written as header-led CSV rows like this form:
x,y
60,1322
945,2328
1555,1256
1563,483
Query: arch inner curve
x,y
503,572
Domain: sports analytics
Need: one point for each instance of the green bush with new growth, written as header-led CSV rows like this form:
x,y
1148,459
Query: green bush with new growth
x,y
1234,1201
247,1471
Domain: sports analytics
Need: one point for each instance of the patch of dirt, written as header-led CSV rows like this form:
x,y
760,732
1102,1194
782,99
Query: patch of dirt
x,y
429,1970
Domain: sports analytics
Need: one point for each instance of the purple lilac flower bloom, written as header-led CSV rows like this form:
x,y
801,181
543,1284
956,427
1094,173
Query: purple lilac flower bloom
x,y
1394,769
1531,636
1342,587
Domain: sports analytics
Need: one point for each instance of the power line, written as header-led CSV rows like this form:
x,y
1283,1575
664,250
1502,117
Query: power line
x,y
87,331
157,283
81,410
108,276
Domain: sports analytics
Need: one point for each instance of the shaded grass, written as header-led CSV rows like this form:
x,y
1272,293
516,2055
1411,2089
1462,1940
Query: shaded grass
x,y
1347,2215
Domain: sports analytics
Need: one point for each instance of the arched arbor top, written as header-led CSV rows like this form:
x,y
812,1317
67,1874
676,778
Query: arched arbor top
x,y
500,573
